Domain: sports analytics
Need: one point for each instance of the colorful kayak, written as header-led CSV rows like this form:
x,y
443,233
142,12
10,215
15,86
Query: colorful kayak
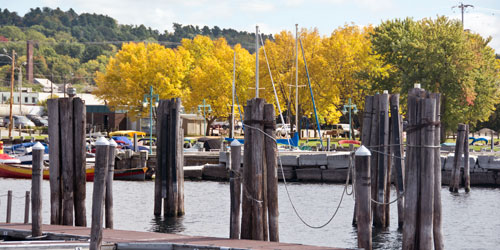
x,y
24,171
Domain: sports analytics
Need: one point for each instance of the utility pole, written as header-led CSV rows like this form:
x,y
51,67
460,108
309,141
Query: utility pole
x,y
462,7
11,122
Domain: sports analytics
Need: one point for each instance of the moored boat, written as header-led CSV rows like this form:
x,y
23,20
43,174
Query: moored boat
x,y
25,171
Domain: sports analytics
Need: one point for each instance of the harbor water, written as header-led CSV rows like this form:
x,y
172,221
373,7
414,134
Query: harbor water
x,y
470,221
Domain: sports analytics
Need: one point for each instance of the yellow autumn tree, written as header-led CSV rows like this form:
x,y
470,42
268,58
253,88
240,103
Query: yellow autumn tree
x,y
136,67
211,76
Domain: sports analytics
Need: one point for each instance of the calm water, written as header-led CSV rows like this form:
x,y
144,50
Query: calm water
x,y
470,221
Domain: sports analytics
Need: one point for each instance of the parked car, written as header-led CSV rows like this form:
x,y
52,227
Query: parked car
x,y
38,120
19,120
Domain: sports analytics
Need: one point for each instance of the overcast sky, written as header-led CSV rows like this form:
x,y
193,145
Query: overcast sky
x,y
275,15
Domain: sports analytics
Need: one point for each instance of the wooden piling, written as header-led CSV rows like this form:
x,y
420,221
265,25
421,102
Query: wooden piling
x,y
80,163
379,216
158,198
365,136
9,207
246,202
374,142
101,166
396,149
27,207
272,172
457,160
257,151
466,158
437,219
108,211
427,173
55,162
412,175
235,190
67,174
363,197
169,185
36,187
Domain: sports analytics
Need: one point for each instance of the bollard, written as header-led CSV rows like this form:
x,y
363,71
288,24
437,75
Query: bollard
x,y
363,197
9,206
36,187
136,147
109,184
27,208
235,190
101,167
328,143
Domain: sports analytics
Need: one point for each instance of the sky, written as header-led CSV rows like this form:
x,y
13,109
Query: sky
x,y
273,16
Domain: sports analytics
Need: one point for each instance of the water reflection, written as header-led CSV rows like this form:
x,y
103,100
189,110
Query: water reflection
x,y
390,239
162,224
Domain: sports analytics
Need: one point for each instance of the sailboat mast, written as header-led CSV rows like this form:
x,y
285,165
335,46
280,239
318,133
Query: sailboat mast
x,y
257,61
234,93
297,78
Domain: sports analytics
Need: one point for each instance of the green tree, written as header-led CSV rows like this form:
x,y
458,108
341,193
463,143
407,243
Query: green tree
x,y
442,57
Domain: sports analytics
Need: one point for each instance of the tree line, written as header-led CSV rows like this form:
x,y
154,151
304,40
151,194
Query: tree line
x,y
351,62
71,47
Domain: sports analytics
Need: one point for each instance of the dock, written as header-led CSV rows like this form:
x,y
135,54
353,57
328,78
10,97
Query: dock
x,y
68,237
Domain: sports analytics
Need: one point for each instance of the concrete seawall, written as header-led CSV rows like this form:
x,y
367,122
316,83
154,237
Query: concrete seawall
x,y
332,167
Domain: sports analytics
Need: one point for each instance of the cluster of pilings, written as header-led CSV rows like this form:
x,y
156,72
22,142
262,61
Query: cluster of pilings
x,y
382,134
461,156
420,218
169,180
259,178
67,161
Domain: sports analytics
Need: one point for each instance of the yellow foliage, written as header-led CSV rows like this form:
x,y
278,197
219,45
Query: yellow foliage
x,y
136,67
211,75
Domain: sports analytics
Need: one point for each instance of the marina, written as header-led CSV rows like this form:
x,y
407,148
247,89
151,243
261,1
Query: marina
x,y
470,220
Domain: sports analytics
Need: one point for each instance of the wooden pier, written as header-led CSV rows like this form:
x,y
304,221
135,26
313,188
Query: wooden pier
x,y
122,239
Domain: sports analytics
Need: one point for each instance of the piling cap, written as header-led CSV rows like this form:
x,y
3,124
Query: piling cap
x,y
235,143
102,142
362,151
112,143
38,146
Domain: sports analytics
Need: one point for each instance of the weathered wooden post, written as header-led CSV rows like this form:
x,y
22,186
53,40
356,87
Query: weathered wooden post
x,y
374,145
169,171
457,160
36,187
422,215
379,214
437,220
271,172
412,168
101,167
365,137
466,158
427,173
27,207
235,189
55,162
67,124
109,184
396,149
363,197
80,162
9,206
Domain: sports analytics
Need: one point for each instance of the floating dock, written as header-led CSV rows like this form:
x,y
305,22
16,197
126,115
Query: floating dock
x,y
68,237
